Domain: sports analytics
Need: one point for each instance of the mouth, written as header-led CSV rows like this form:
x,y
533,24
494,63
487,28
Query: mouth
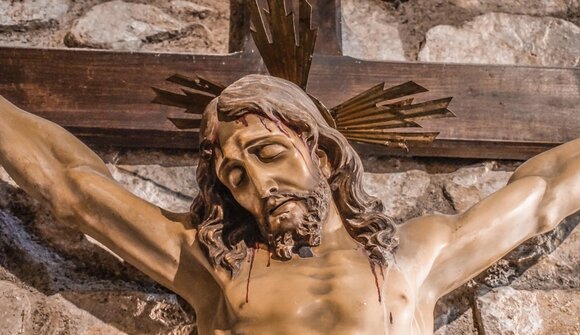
x,y
280,207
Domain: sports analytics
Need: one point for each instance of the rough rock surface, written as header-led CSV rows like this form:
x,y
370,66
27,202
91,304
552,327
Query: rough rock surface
x,y
497,38
199,26
183,7
389,187
512,312
463,325
122,25
531,7
26,311
369,32
27,14
557,270
468,186
506,311
172,188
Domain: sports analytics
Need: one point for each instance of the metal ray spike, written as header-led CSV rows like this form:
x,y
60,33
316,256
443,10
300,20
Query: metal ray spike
x,y
199,93
375,95
168,98
197,83
371,116
284,55
183,123
425,110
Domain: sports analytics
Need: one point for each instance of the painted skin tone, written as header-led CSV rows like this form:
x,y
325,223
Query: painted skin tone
x,y
332,292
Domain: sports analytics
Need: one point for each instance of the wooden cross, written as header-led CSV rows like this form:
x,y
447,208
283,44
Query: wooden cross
x,y
104,97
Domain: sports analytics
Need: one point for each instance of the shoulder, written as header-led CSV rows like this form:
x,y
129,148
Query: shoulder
x,y
420,242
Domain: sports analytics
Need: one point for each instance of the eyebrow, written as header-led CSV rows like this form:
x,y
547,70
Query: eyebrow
x,y
226,160
257,140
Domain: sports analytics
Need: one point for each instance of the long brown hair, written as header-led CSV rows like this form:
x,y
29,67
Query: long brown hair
x,y
225,229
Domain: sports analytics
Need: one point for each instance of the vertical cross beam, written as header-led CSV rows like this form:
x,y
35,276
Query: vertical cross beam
x,y
326,16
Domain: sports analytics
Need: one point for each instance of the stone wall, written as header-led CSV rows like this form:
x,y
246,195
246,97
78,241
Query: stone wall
x,y
522,32
54,280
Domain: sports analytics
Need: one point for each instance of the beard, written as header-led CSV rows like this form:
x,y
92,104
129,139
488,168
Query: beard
x,y
305,225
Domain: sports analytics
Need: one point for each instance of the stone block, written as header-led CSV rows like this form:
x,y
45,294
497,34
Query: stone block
x,y
26,14
171,188
468,186
181,7
557,270
463,325
508,311
123,25
496,38
399,192
369,32
531,7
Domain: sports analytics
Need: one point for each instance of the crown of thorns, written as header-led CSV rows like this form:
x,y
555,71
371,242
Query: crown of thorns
x,y
375,116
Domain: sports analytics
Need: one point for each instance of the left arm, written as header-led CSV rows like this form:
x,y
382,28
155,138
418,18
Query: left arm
x,y
441,252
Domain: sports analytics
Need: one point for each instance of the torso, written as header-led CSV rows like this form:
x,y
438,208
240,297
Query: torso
x,y
331,293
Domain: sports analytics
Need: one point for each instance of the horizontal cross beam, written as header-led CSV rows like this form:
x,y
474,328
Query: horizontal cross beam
x,y
104,97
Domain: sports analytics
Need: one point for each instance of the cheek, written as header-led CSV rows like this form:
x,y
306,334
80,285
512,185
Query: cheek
x,y
245,199
297,173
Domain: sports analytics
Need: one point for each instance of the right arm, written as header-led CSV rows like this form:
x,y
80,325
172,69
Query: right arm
x,y
443,251
61,172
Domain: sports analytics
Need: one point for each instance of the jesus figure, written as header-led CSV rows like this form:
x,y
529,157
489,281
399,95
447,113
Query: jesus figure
x,y
282,238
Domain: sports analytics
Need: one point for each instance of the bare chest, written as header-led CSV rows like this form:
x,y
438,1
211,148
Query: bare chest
x,y
334,293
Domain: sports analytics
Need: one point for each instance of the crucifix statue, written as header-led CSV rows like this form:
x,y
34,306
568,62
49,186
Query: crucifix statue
x,y
282,238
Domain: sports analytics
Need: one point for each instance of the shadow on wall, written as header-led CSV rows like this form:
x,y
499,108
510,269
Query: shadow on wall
x,y
56,280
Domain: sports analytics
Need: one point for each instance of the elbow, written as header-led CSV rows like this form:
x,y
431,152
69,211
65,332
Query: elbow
x,y
65,199
548,218
65,208
549,213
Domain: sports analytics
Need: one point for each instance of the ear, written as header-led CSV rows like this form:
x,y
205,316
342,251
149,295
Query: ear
x,y
323,163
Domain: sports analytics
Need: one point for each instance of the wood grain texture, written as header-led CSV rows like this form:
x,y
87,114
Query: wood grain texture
x,y
104,97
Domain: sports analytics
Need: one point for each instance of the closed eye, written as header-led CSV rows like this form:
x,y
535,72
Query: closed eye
x,y
270,151
236,176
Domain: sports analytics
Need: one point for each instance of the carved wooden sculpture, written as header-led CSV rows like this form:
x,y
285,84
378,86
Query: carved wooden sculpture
x,y
282,238
368,117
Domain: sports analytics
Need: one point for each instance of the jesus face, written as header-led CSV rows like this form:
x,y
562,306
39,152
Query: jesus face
x,y
269,172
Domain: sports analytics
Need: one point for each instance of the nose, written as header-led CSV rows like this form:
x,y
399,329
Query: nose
x,y
266,187
269,191
263,181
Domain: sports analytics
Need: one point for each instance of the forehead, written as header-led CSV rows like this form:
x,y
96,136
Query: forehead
x,y
237,134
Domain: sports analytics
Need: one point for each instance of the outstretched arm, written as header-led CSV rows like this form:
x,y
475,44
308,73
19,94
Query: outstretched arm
x,y
444,251
58,170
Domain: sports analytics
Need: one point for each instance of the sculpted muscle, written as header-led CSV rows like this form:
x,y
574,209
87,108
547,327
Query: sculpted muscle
x,y
60,171
453,249
283,238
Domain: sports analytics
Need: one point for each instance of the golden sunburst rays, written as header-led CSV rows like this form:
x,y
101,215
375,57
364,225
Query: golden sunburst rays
x,y
194,99
287,51
379,115
371,116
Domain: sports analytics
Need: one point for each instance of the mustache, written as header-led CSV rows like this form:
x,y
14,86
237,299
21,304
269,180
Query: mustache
x,y
314,200
308,232
277,200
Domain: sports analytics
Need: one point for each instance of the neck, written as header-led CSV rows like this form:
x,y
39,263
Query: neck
x,y
334,234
